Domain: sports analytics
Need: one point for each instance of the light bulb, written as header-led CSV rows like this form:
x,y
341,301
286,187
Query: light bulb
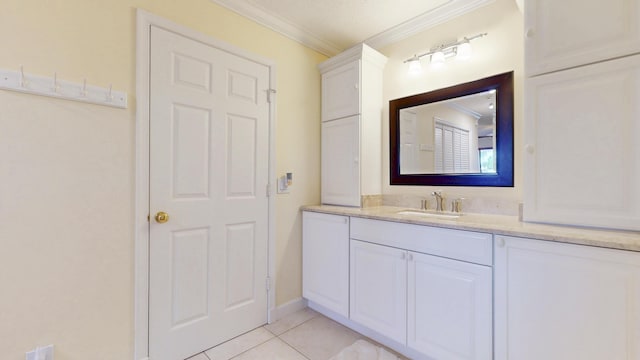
x,y
437,59
415,67
464,51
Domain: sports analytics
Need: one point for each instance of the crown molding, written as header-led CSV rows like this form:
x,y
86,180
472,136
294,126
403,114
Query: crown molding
x,y
280,26
520,4
399,32
360,51
462,109
444,13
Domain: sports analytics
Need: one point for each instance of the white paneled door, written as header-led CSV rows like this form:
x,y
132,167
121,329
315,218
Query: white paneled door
x,y
209,134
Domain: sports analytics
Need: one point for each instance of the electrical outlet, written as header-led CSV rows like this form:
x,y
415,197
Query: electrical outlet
x,y
41,353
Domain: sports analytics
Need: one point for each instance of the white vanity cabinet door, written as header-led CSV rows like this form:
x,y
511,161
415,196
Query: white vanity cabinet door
x,y
559,301
325,261
582,146
449,308
379,289
340,91
340,174
569,33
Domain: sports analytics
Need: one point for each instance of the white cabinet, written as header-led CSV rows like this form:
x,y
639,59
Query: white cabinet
x,y
568,33
438,307
449,308
379,289
582,123
341,161
559,301
582,136
325,261
341,91
352,89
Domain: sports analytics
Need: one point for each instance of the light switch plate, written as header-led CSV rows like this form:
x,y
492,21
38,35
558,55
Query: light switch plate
x,y
283,187
47,351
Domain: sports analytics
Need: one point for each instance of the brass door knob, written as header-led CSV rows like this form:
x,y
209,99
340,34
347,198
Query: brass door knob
x,y
162,217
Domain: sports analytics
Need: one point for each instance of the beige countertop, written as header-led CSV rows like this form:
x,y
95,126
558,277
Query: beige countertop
x,y
496,224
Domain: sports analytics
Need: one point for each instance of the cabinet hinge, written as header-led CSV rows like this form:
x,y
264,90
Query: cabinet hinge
x,y
268,190
269,92
268,284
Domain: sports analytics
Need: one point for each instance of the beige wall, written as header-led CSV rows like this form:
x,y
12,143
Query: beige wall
x,y
67,169
501,51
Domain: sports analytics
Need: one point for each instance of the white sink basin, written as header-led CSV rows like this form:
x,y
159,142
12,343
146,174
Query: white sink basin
x,y
434,215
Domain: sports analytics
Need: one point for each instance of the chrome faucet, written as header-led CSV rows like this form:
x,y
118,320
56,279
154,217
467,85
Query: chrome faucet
x,y
456,205
439,200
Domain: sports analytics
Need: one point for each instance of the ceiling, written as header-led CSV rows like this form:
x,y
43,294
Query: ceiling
x,y
332,26
478,106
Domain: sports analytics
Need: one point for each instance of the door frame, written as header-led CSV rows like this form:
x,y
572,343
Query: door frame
x,y
144,20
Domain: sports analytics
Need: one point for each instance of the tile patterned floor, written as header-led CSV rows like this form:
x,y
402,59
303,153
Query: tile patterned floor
x,y
304,335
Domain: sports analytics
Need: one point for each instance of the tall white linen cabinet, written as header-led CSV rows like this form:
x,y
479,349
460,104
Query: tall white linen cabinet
x,y
582,113
351,126
581,167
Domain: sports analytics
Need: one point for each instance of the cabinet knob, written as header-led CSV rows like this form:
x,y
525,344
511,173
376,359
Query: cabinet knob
x,y
500,242
529,148
530,33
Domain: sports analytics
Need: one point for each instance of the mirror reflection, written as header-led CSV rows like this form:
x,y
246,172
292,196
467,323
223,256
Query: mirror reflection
x,y
451,136
460,135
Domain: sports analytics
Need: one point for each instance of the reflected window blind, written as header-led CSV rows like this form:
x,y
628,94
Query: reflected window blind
x,y
439,163
451,149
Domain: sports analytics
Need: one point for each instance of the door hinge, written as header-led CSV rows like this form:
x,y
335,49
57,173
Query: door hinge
x,y
269,92
268,283
268,190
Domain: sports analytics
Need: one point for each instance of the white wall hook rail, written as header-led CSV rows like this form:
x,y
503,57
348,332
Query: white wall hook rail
x,y
83,92
56,87
23,81
61,89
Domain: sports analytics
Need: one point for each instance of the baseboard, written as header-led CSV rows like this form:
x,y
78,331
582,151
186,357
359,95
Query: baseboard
x,y
287,308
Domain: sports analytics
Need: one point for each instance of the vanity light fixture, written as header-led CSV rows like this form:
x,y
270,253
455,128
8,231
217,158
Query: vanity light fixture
x,y
438,58
414,65
439,54
464,51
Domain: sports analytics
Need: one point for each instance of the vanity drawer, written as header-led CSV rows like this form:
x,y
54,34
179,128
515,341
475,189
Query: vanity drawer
x,y
474,247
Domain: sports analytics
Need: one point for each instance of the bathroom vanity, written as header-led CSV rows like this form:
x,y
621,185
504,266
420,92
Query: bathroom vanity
x,y
476,286
490,286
